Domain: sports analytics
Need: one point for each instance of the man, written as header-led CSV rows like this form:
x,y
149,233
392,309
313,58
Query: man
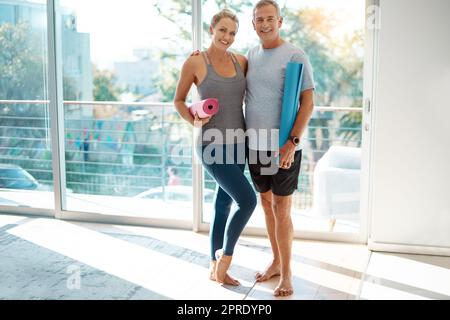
x,y
265,83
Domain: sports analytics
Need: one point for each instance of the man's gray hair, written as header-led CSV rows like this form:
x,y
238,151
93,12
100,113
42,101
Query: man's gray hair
x,y
262,3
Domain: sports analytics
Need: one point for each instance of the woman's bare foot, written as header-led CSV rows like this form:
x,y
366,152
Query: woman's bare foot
x,y
284,287
228,279
223,263
212,270
271,271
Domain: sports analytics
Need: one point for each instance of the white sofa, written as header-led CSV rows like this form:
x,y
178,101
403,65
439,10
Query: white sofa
x,y
336,186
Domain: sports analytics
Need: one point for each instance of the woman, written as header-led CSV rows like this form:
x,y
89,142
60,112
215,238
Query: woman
x,y
220,74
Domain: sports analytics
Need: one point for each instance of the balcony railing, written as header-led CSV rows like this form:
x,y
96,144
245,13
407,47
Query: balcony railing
x,y
124,148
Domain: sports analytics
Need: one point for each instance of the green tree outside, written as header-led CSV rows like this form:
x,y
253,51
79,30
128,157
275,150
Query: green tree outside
x,y
105,88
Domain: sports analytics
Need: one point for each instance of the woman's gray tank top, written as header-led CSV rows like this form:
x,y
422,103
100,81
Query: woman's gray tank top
x,y
230,93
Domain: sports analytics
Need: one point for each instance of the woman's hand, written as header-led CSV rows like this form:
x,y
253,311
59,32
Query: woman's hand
x,y
200,122
195,53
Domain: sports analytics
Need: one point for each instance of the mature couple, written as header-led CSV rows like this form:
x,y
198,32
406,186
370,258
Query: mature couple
x,y
259,78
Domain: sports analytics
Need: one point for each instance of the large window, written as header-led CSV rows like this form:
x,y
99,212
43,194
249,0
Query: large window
x,y
26,177
126,150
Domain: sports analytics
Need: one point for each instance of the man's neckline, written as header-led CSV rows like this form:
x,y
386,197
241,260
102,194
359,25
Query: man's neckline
x,y
284,42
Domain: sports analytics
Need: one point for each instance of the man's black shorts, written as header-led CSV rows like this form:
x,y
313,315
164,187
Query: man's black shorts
x,y
283,183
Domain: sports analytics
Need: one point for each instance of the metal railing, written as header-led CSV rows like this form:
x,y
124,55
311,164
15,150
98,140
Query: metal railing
x,y
124,148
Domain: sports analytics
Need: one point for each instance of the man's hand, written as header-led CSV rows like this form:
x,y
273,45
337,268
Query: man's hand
x,y
286,153
195,53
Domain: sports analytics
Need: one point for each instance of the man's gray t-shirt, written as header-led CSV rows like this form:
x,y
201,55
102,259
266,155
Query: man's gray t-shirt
x,y
265,86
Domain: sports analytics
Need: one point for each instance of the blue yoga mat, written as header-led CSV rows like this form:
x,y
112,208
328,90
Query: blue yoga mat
x,y
289,107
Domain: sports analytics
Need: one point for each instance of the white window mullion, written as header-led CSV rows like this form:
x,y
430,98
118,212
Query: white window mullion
x,y
197,173
56,104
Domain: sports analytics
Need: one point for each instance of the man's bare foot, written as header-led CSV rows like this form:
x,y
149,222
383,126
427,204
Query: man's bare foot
x,y
284,287
228,279
223,263
271,271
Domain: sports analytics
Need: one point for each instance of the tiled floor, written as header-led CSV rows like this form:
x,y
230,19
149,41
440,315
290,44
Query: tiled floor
x,y
54,259
407,276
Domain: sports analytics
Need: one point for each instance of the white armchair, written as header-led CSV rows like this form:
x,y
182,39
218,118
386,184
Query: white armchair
x,y
336,190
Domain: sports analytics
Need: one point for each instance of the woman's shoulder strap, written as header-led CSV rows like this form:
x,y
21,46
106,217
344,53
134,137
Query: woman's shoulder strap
x,y
205,56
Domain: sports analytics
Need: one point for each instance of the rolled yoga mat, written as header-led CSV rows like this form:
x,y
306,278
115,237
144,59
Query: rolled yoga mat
x,y
205,108
289,107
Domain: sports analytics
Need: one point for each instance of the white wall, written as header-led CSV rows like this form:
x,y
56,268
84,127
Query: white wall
x,y
410,167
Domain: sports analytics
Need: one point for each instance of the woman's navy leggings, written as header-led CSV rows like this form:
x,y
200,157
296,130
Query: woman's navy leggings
x,y
226,165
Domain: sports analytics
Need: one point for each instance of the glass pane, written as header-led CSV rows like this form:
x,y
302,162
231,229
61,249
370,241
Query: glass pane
x,y
331,34
127,151
26,177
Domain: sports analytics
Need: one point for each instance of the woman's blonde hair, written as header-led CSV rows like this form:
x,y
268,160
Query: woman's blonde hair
x,y
225,13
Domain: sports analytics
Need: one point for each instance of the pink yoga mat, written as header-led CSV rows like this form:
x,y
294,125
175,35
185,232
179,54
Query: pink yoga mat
x,y
205,108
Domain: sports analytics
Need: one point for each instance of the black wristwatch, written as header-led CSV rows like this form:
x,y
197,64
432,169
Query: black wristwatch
x,y
295,140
